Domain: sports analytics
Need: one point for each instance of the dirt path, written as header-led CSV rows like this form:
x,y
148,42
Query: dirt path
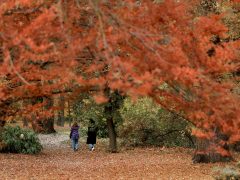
x,y
60,162
53,140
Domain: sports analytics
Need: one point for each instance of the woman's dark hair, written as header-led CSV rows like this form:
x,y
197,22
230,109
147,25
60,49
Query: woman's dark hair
x,y
75,124
91,121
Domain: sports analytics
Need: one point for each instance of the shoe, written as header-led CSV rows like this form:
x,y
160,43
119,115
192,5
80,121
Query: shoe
x,y
92,149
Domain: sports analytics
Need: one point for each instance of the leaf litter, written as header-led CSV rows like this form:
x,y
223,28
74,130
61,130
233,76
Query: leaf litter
x,y
58,161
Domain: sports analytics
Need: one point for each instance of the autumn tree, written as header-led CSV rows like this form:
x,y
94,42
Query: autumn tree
x,y
136,47
38,74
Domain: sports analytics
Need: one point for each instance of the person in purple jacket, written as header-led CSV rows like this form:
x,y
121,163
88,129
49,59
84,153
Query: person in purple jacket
x,y
74,136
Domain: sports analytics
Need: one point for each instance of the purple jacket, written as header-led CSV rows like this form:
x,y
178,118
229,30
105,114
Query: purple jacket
x,y
74,133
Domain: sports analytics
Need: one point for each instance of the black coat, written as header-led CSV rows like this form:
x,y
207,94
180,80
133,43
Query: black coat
x,y
92,134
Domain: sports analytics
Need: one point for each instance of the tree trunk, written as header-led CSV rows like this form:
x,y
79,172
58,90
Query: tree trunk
x,y
206,151
2,144
25,122
115,100
48,126
69,114
112,135
108,111
61,119
44,125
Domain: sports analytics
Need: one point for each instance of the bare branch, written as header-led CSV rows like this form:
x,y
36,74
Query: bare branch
x,y
15,71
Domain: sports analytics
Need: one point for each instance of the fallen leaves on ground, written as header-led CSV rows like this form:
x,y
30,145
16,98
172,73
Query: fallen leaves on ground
x,y
58,161
138,163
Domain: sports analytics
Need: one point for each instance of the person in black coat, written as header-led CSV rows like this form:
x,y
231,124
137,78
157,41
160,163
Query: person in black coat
x,y
92,134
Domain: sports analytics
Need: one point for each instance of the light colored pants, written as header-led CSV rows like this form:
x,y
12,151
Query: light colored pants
x,y
74,144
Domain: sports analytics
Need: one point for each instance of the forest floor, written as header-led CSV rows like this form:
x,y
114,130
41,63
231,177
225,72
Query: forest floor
x,y
58,161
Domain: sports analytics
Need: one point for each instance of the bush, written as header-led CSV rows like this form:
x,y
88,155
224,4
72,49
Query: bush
x,y
146,123
86,109
20,140
226,173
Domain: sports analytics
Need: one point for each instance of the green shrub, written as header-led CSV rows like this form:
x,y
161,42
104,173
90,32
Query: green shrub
x,y
146,123
86,109
226,173
20,140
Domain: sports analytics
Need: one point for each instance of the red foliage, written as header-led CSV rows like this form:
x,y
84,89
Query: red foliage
x,y
135,48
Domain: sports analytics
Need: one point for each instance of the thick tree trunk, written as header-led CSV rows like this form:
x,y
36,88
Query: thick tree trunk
x,y
69,114
2,144
48,126
61,119
25,122
108,110
112,135
44,125
206,150
114,102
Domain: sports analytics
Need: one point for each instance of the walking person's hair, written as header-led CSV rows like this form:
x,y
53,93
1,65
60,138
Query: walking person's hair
x,y
91,121
75,124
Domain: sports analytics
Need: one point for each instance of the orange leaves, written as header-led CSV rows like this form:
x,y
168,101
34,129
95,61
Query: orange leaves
x,y
222,151
36,48
110,29
38,24
211,25
200,134
100,98
235,1
235,138
186,74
